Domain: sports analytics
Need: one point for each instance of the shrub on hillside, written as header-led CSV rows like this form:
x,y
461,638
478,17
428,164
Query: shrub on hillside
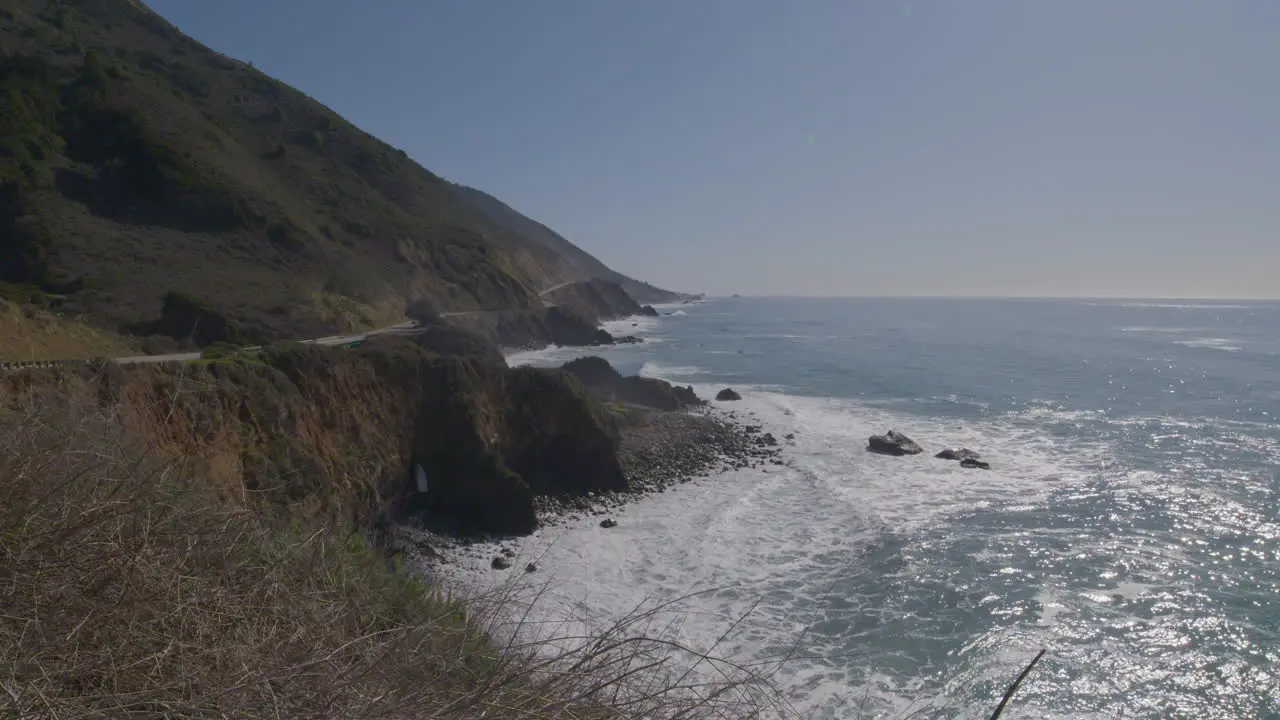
x,y
422,312
184,317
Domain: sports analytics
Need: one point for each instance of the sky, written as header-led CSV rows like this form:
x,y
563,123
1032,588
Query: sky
x,y
827,147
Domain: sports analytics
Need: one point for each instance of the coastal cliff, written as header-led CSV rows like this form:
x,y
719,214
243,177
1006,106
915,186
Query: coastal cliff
x,y
339,433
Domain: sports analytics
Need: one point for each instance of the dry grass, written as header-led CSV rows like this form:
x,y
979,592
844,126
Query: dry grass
x,y
128,591
28,333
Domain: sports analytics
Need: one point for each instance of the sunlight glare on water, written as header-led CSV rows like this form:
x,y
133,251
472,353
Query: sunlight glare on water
x,y
1129,524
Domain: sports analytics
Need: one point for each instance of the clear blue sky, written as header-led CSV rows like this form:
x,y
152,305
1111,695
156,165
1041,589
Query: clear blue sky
x,y
838,147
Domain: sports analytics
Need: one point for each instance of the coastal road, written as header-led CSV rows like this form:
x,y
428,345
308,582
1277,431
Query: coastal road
x,y
407,327
403,328
553,288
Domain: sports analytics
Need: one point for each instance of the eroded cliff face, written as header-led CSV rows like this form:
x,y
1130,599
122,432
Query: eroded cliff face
x,y
339,432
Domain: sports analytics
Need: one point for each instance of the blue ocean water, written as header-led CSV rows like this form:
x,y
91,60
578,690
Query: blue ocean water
x,y
1130,524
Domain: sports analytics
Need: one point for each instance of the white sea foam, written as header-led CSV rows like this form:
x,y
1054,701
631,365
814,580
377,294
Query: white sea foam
x,y
1154,329
640,325
1174,306
643,327
667,372
521,358
780,535
1225,344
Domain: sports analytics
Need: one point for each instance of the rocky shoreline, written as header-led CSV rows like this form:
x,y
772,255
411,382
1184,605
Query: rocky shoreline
x,y
658,451
670,448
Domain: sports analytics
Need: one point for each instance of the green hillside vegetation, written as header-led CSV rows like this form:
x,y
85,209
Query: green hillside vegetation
x,y
135,162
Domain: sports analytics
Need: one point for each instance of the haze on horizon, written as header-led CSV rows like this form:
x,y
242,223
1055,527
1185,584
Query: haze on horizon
x,y
923,147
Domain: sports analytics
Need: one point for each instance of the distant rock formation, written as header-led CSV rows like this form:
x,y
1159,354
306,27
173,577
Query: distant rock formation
x,y
893,443
958,454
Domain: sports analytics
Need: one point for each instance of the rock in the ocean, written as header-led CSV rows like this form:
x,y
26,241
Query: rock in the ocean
x,y
958,454
500,563
790,436
648,310
893,443
627,340
728,394
975,463
608,523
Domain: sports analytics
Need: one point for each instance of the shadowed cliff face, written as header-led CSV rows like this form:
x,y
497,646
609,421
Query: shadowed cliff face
x,y
338,432
490,439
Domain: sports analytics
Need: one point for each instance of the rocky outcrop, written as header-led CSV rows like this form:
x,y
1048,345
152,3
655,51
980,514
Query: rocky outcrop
x,y
893,443
958,454
492,439
648,311
597,374
728,394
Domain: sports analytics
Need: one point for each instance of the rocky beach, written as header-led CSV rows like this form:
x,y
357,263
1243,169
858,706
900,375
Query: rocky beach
x,y
658,451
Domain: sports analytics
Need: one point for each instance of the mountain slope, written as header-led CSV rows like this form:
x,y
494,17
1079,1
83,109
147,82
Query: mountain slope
x,y
582,263
135,162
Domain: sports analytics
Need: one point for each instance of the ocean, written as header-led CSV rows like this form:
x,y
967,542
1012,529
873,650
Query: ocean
x,y
1129,526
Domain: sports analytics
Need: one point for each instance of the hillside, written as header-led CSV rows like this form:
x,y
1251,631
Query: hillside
x,y
135,162
583,264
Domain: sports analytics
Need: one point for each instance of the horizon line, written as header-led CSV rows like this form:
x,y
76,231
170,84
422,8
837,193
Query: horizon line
x,y
1201,298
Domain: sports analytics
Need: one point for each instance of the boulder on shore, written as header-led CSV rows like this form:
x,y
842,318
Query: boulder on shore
x,y
728,394
608,523
893,443
975,463
958,454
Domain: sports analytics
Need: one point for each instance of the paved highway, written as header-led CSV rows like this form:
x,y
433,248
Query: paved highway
x,y
405,327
